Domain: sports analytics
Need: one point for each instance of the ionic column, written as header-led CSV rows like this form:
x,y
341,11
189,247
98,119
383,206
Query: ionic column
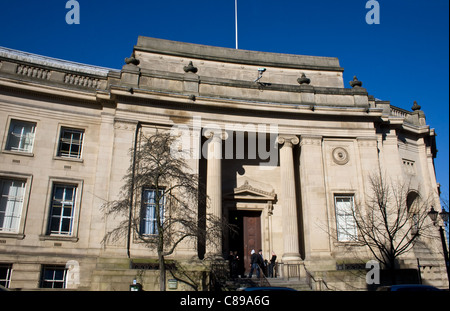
x,y
289,201
214,188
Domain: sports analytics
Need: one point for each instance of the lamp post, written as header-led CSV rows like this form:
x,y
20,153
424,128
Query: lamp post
x,y
135,287
444,215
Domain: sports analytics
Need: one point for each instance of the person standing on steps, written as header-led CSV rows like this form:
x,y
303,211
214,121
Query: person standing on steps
x,y
253,264
261,263
272,264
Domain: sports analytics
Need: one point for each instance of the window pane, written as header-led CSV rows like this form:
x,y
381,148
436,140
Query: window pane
x,y
70,143
13,142
56,211
345,223
5,274
75,150
149,196
69,194
58,284
67,212
61,211
59,274
148,211
53,277
11,202
48,274
54,224
58,193
64,149
65,225
21,136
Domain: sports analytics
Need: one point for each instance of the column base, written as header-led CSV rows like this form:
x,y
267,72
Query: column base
x,y
213,256
291,257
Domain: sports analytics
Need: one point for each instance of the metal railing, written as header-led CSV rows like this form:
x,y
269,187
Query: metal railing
x,y
220,274
263,281
319,282
289,271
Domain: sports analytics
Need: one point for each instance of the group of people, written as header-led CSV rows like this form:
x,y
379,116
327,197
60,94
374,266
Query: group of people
x,y
257,264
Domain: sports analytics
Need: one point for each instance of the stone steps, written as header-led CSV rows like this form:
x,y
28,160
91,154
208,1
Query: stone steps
x,y
298,284
239,283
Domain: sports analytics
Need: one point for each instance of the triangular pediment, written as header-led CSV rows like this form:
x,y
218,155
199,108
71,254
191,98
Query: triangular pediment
x,y
248,192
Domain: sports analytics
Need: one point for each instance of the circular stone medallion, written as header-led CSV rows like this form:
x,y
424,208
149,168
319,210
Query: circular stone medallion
x,y
340,156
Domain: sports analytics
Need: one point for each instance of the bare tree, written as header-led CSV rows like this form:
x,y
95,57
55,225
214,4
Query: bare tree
x,y
391,220
159,200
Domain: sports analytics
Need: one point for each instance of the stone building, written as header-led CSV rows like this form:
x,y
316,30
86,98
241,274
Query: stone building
x,y
298,148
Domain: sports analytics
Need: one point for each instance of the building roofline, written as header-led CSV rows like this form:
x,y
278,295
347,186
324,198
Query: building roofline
x,y
213,53
22,56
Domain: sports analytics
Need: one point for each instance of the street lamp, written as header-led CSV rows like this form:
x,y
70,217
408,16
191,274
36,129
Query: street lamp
x,y
135,287
433,214
444,215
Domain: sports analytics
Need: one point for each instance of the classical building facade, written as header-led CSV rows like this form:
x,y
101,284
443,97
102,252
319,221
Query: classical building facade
x,y
283,147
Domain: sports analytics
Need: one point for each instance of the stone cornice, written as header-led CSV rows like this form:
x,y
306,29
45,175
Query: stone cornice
x,y
251,85
50,91
163,98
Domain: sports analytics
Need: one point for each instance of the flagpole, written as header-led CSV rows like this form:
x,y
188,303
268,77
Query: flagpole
x,y
236,19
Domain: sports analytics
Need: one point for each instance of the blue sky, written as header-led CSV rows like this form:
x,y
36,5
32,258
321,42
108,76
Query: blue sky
x,y
402,59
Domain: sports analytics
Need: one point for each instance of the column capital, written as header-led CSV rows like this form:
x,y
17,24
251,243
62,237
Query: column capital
x,y
288,140
214,133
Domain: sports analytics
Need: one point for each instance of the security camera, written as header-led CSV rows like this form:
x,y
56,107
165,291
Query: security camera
x,y
260,73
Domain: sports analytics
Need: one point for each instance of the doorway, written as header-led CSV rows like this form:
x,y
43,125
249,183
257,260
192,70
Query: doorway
x,y
247,236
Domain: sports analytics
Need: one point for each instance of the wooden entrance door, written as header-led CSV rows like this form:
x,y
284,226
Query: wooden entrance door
x,y
251,223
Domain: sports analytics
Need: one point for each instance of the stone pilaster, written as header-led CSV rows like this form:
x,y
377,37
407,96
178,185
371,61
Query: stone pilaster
x,y
314,200
368,161
391,162
288,197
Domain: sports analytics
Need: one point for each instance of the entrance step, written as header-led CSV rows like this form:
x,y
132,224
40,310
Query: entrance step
x,y
236,284
297,284
240,283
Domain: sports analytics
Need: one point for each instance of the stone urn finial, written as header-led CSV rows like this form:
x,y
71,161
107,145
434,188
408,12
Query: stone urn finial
x,y
416,106
355,82
190,68
416,111
303,79
132,60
